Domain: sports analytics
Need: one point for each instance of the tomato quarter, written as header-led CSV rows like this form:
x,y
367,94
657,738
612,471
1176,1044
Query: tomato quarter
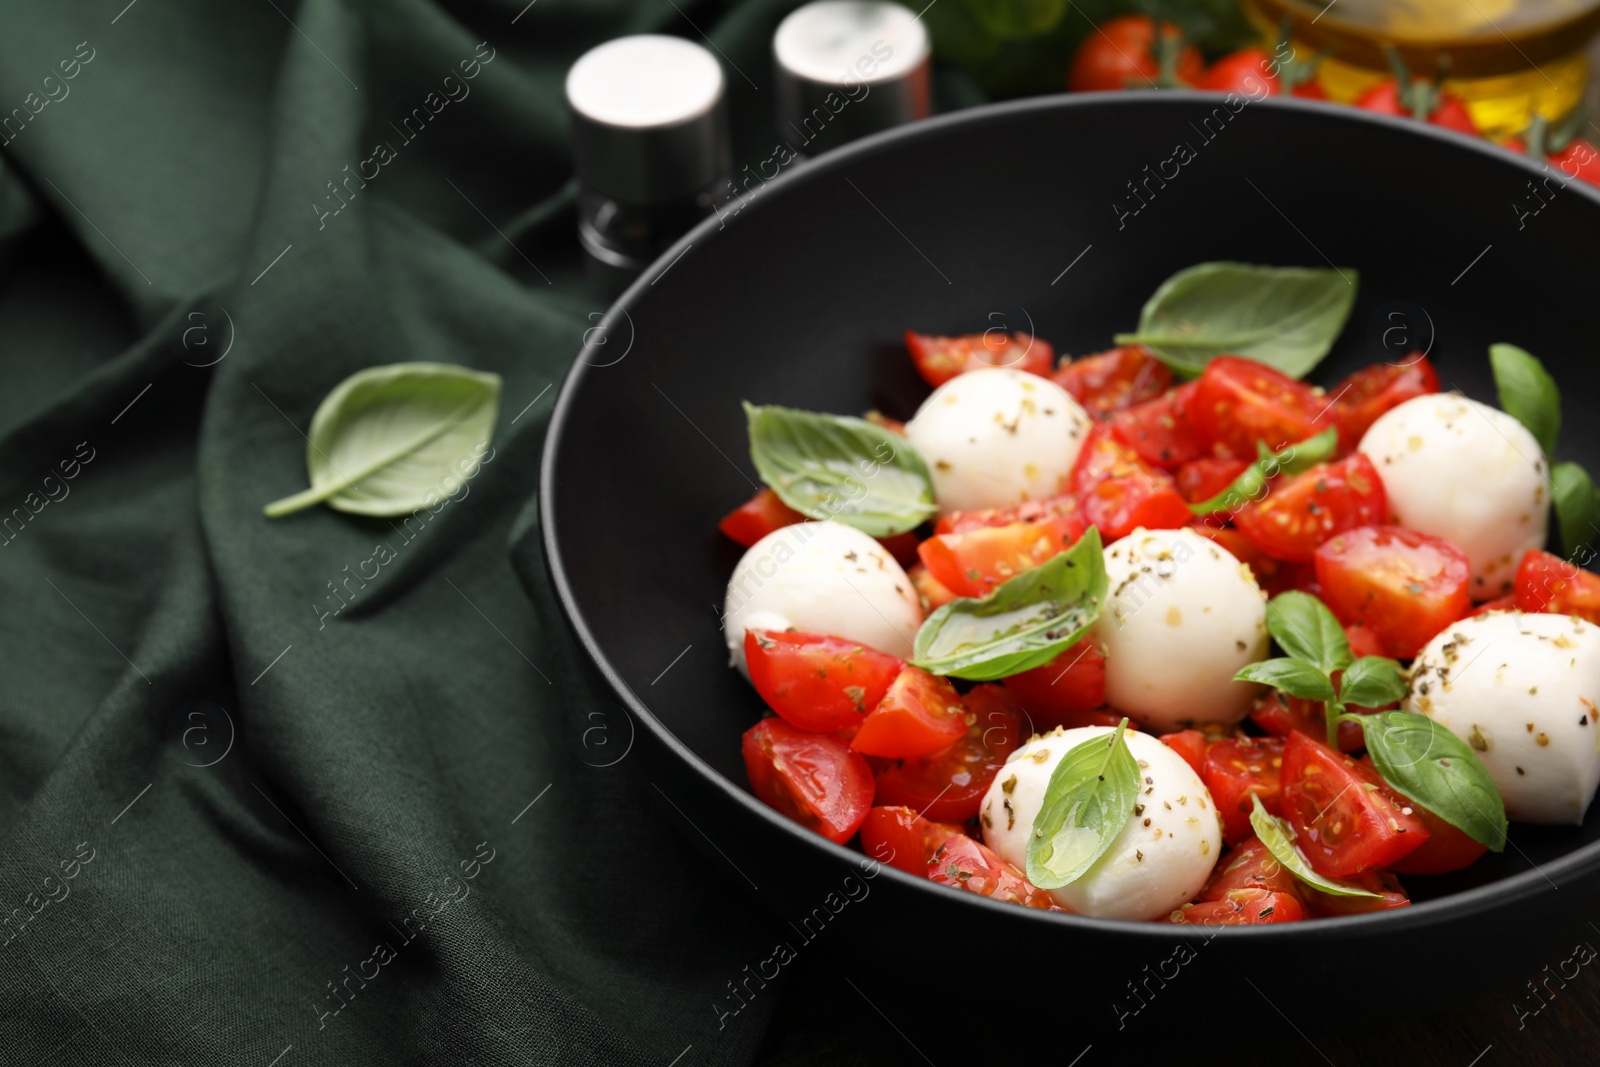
x,y
903,839
1238,402
951,783
1236,769
1115,379
814,779
938,359
1305,510
1371,391
757,517
965,864
1157,431
1403,585
1550,584
974,562
920,715
1242,907
1343,827
818,683
1058,693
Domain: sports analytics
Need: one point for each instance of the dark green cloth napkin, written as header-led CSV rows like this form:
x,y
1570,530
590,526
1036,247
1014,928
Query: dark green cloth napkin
x,y
271,794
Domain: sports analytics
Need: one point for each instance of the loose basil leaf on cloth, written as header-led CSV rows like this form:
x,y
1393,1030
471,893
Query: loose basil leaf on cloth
x,y
1577,505
1025,623
1087,804
1293,459
1527,393
1279,837
841,468
1295,677
1435,768
389,440
1285,317
1372,682
1305,628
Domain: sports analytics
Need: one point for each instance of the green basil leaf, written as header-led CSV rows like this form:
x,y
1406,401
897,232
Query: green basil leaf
x,y
1295,677
1305,628
1527,393
1088,802
1279,838
1025,623
1577,505
1435,768
1285,317
841,468
389,440
1293,459
1372,682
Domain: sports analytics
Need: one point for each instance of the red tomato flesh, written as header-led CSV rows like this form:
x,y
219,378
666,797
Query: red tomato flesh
x,y
974,562
903,839
1115,379
1157,431
938,359
1343,827
1371,391
1072,683
1278,714
1403,585
965,864
951,783
1249,865
1550,584
1391,895
1305,510
1243,907
1119,492
930,590
757,517
814,779
920,715
1190,744
822,684
1234,770
1238,402
1203,478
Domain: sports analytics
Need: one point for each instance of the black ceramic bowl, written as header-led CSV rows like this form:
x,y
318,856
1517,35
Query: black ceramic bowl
x,y
1060,216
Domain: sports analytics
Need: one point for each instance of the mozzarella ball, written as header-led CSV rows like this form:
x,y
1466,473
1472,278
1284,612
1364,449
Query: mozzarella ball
x,y
1468,473
1182,617
1521,690
821,578
998,437
1162,857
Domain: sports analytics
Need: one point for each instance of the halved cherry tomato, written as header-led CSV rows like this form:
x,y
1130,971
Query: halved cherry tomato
x,y
822,684
1305,510
1550,584
1391,895
930,590
1236,768
1505,603
1371,391
1404,585
1447,848
903,839
1109,381
972,563
1203,478
1063,506
1244,72
951,783
1343,827
1157,431
920,715
966,864
1190,744
1120,492
1239,402
757,517
1120,54
1249,865
814,779
1243,907
1059,692
1278,713
939,359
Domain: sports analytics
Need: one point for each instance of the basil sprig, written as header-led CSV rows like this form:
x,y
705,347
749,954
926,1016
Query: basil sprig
x,y
841,468
1025,623
1285,317
1317,647
1294,459
1417,757
1279,837
1529,395
1438,770
1087,803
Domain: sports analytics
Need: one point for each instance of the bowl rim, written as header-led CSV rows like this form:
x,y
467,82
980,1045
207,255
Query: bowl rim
x,y
1447,909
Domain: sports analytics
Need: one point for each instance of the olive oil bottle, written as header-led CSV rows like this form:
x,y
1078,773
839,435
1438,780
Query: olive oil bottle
x,y
1506,59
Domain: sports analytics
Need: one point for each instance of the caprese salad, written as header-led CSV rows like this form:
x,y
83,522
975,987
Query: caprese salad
x,y
1164,632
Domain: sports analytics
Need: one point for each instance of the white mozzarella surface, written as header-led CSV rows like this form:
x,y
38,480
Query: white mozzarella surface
x,y
824,578
1161,858
1468,473
998,437
1182,617
1521,690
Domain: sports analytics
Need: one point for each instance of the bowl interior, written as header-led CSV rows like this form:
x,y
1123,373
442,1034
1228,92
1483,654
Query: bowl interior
x,y
1059,217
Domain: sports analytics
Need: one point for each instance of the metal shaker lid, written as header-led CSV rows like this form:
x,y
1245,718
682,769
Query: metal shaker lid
x,y
848,68
649,122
